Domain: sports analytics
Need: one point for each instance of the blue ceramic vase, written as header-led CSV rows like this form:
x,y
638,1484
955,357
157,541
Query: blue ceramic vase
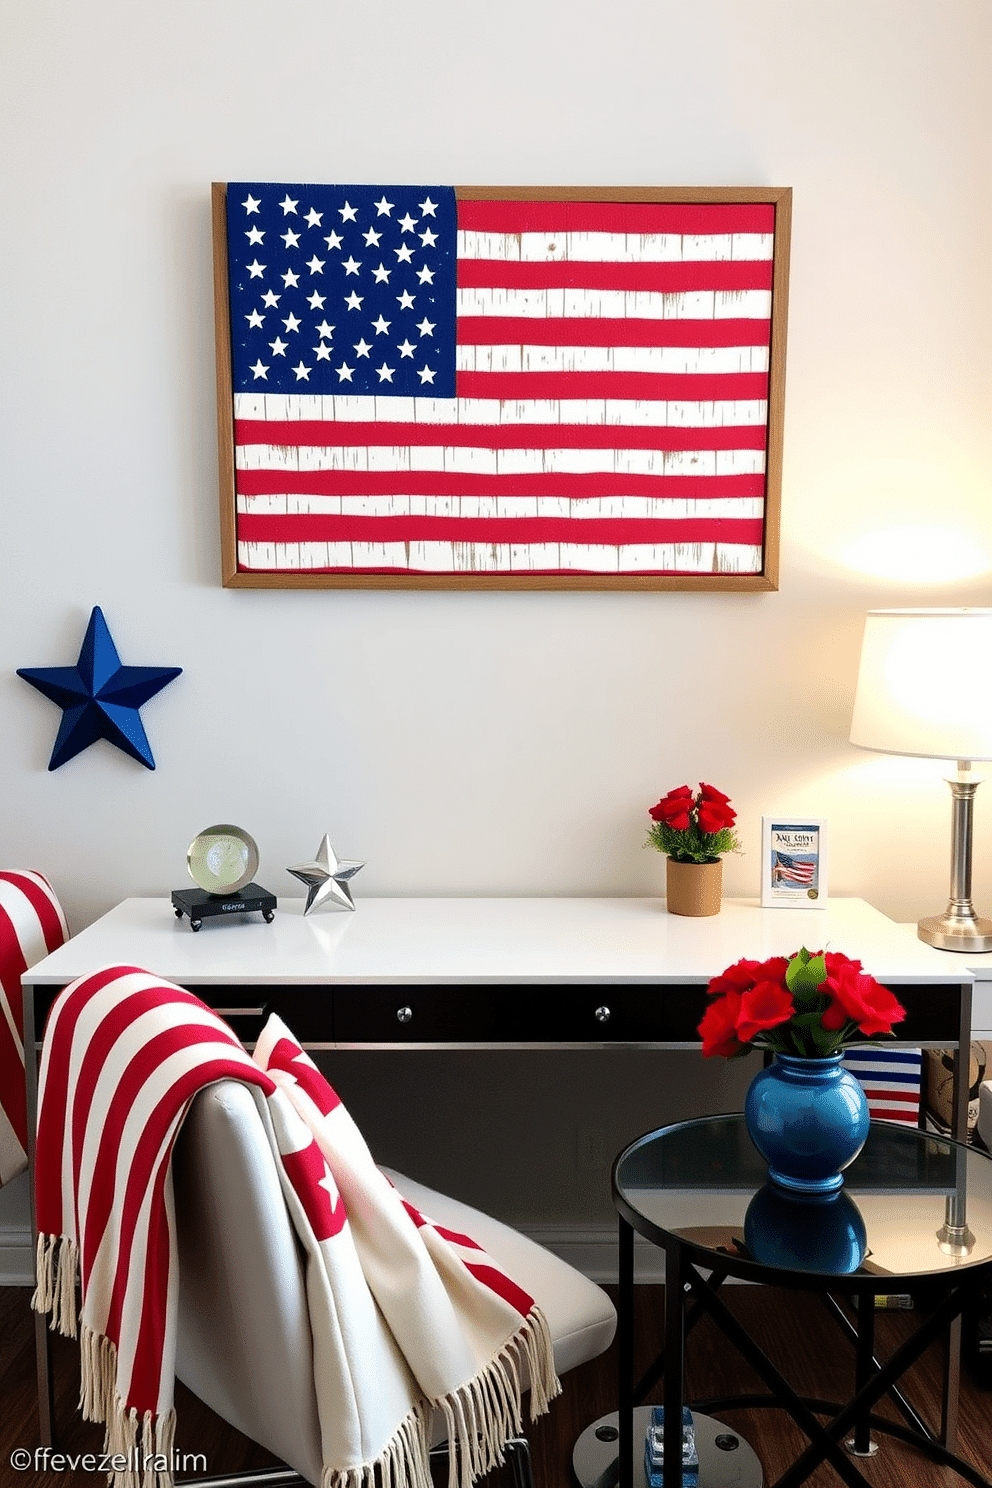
x,y
809,1120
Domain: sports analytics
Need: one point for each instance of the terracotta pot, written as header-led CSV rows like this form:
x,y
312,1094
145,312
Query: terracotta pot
x,y
694,888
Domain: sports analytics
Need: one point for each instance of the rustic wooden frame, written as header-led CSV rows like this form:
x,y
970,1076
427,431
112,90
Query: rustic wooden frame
x,y
767,579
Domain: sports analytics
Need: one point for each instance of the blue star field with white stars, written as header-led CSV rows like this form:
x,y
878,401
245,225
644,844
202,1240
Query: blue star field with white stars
x,y
342,289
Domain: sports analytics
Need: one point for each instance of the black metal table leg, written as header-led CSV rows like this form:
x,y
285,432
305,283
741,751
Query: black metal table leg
x,y
625,1350
674,1365
861,1443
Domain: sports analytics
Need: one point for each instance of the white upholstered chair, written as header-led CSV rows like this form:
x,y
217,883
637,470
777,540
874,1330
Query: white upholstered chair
x,y
253,1364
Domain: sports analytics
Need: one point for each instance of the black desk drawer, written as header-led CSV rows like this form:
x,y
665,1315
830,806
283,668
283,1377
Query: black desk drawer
x,y
504,1014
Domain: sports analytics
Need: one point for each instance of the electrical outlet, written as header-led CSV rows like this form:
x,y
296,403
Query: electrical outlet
x,y
591,1149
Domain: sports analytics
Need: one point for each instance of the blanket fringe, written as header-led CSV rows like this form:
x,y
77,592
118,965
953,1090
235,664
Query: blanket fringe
x,y
403,1463
143,1442
482,1415
56,1272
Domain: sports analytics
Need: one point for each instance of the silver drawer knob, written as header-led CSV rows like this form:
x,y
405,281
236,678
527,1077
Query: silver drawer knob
x,y
404,1014
603,1015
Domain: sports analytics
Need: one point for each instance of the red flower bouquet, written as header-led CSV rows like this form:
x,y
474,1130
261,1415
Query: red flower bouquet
x,y
810,1005
693,828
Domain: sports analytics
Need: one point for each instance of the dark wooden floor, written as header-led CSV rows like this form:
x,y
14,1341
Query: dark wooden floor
x,y
791,1327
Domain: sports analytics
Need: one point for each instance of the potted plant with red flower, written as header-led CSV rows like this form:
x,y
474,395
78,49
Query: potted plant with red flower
x,y
807,1115
693,830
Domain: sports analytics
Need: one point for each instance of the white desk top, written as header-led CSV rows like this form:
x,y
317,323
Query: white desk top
x,y
457,941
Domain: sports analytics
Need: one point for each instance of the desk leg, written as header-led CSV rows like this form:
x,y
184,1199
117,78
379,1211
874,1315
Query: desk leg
x,y
962,1068
42,1339
625,1350
674,1365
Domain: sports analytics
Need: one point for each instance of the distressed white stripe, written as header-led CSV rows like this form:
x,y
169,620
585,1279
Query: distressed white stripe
x,y
443,557
462,460
627,507
618,304
677,359
685,413
607,247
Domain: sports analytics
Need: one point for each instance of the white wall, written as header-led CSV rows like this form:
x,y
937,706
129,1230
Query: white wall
x,y
483,742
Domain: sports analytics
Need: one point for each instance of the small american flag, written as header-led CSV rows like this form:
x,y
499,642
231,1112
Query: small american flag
x,y
792,870
430,381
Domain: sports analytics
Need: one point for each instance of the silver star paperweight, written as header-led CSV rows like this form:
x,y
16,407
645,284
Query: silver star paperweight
x,y
327,878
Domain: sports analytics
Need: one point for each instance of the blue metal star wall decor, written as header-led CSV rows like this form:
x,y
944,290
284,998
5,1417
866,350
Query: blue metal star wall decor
x,y
99,698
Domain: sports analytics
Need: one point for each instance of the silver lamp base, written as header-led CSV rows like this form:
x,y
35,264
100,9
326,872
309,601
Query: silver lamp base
x,y
959,928
956,932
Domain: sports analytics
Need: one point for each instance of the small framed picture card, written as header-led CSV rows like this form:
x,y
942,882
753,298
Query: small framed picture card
x,y
793,862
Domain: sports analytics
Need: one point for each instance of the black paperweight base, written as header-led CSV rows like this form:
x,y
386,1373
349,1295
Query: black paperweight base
x,y
198,905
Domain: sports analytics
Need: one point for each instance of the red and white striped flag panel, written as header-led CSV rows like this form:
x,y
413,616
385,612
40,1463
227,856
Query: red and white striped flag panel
x,y
891,1080
607,365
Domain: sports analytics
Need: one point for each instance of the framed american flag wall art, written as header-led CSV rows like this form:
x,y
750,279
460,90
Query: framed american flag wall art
x,y
500,387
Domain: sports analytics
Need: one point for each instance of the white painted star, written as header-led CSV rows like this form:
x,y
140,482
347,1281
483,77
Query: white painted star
x,y
334,240
428,208
385,373
381,274
383,207
408,223
252,204
425,275
255,269
325,330
291,323
316,301
363,347
316,265
278,347
426,327
348,213
314,219
291,239
290,279
426,374
344,372
428,238
302,372
254,235
372,238
258,370
381,326
270,299
353,301
351,265
406,348
323,350
255,319
404,253
405,300
288,205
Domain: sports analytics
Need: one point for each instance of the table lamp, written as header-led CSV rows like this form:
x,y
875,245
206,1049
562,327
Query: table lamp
x,y
925,688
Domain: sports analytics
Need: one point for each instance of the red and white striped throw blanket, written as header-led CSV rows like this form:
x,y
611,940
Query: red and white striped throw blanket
x,y
31,926
407,1318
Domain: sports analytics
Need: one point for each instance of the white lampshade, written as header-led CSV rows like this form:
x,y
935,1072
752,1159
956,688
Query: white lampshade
x,y
925,684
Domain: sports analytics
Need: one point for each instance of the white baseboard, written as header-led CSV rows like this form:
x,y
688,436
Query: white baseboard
x,y
593,1251
16,1258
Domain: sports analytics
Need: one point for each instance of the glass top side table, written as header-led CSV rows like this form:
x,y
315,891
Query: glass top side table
x,y
914,1214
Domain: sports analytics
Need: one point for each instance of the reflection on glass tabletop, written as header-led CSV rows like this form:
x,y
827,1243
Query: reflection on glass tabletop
x,y
913,1204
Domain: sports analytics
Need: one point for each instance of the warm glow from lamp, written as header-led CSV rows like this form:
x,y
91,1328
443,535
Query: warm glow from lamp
x,y
924,553
925,688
